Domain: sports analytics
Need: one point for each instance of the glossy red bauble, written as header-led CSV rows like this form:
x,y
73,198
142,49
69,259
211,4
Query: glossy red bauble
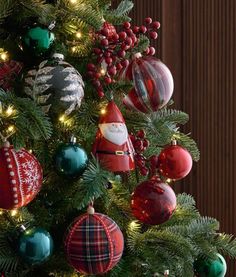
x,y
153,202
153,84
21,177
94,244
174,162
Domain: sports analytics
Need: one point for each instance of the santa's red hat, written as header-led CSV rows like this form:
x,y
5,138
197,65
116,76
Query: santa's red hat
x,y
111,114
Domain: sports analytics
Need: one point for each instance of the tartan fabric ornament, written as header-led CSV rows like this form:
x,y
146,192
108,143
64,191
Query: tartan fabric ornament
x,y
8,73
94,244
21,177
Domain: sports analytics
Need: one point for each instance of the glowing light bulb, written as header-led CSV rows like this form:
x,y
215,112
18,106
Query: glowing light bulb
x,y
103,111
103,71
78,34
9,111
133,225
73,49
4,56
14,212
11,128
1,212
73,1
62,118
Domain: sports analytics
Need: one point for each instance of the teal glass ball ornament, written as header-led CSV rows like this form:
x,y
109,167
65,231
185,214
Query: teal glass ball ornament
x,y
210,268
70,160
37,40
35,246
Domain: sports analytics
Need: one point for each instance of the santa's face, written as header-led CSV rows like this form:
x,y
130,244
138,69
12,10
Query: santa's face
x,y
114,132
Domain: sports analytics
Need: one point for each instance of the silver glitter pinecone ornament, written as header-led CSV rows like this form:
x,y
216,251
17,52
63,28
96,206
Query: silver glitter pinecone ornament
x,y
56,85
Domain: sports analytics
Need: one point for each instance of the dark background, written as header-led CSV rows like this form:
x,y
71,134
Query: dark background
x,y
197,41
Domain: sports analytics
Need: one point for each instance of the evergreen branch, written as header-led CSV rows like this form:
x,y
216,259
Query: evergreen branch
x,y
92,185
124,8
30,121
143,44
189,144
225,243
6,8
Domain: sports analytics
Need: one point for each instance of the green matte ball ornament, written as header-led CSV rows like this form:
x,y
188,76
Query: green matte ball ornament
x,y
211,268
38,40
35,246
70,160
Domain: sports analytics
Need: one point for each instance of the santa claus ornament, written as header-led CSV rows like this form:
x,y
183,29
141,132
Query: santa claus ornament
x,y
113,147
94,243
21,177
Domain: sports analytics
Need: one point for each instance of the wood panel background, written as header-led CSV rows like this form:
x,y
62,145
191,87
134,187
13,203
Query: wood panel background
x,y
197,41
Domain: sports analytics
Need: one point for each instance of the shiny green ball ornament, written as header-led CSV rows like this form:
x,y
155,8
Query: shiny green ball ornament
x,y
37,40
211,268
35,246
70,160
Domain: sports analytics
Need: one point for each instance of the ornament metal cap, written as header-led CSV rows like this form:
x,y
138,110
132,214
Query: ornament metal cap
x,y
173,142
90,210
6,143
58,56
73,139
166,272
137,55
22,228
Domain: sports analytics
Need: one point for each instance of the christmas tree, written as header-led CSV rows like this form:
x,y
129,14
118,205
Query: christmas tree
x,y
91,147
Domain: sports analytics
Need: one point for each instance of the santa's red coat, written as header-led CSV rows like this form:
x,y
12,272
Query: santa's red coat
x,y
112,160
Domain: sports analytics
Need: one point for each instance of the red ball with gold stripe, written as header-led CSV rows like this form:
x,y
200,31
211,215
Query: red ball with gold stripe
x,y
94,243
153,84
21,177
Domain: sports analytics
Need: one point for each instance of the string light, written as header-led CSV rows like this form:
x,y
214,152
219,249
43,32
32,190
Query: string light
x,y
103,71
73,1
73,49
78,34
11,128
4,56
1,212
103,111
9,111
14,212
133,225
62,118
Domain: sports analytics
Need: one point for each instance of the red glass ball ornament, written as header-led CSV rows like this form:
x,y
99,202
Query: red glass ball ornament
x,y
174,162
94,244
153,84
153,202
21,177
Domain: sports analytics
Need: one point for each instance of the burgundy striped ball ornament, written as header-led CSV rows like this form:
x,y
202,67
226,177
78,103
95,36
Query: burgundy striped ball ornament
x,y
153,84
94,243
21,177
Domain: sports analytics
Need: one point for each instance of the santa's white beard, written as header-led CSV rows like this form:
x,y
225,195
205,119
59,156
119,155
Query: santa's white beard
x,y
114,132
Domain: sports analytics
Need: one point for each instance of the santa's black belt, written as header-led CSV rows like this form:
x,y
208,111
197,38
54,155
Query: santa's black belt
x,y
118,153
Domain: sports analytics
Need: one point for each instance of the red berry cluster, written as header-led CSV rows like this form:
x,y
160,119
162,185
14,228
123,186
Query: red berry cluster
x,y
111,51
140,144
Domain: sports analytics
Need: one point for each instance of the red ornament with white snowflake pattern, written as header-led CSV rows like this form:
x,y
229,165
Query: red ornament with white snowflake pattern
x,y
21,177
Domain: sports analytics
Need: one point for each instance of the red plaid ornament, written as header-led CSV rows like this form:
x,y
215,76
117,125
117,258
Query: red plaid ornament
x,y
8,73
94,244
21,177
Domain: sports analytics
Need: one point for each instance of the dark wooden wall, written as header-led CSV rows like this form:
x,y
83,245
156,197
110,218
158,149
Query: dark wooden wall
x,y
198,43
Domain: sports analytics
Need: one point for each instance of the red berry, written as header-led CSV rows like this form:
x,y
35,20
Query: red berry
x,y
143,29
107,54
99,60
91,67
90,73
144,171
105,32
121,53
128,41
97,51
153,35
153,161
97,75
147,51
141,134
125,63
138,145
140,163
145,143
134,39
124,46
114,57
118,66
148,20
122,35
112,70
129,32
107,80
108,60
132,137
104,42
100,93
136,29
115,37
156,25
152,51
96,83
126,25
